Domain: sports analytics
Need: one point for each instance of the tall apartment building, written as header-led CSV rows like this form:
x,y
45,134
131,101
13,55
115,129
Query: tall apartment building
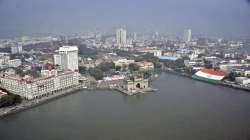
x,y
69,57
121,37
16,49
187,35
57,59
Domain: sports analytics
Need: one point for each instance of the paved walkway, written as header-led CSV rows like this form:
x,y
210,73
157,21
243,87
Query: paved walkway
x,y
28,104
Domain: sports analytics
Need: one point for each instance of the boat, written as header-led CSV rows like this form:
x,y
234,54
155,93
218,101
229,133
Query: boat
x,y
209,75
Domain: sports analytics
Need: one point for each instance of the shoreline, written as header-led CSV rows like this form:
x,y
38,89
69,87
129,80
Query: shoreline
x,y
224,84
25,105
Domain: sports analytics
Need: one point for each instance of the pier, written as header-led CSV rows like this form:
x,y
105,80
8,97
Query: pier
x,y
147,90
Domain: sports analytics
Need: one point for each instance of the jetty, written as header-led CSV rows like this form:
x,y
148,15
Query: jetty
x,y
134,92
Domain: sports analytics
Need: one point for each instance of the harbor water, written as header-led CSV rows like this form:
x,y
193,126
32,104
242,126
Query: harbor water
x,y
182,108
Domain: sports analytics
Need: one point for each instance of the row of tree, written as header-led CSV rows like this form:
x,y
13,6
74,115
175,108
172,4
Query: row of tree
x,y
99,71
106,68
9,100
151,58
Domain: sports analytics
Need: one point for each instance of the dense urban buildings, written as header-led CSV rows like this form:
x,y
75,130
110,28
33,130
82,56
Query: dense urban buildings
x,y
124,70
49,67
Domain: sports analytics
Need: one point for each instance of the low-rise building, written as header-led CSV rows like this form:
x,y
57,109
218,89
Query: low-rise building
x,y
4,58
247,73
153,50
15,63
49,72
145,66
198,62
242,80
123,63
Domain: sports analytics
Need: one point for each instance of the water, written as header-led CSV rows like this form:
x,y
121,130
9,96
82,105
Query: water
x,y
182,109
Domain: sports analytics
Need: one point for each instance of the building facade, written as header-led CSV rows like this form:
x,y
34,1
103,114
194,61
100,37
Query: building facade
x,y
145,66
39,87
136,85
187,35
16,49
121,37
57,59
15,63
69,57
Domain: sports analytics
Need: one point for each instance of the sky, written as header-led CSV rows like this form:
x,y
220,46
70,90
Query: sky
x,y
221,18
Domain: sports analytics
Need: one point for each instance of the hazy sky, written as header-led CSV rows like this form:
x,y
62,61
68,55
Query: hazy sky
x,y
210,17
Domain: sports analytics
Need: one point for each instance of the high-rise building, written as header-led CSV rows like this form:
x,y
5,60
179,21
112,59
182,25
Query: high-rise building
x,y
17,48
121,37
134,36
187,35
57,59
69,57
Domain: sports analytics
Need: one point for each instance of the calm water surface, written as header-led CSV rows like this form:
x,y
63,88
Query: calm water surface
x,y
182,109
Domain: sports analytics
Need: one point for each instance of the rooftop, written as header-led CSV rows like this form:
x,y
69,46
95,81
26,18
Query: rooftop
x,y
68,48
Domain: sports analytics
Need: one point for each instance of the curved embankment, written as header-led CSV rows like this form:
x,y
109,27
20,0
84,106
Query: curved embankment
x,y
30,104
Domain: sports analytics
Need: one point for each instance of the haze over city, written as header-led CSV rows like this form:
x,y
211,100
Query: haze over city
x,y
221,18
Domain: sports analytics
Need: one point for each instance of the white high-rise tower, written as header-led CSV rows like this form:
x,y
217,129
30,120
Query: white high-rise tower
x,y
187,35
69,57
16,48
121,37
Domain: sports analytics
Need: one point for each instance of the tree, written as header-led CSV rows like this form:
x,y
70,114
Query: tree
x,y
20,72
32,73
208,64
82,69
17,99
231,76
10,100
6,101
96,73
147,75
147,57
151,58
107,66
174,64
185,58
133,67
179,63
84,50
118,68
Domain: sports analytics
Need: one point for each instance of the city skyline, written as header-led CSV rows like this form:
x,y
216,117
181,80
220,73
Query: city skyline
x,y
222,18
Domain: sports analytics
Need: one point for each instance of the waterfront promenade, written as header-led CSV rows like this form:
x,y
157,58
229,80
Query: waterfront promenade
x,y
213,111
224,83
110,85
26,104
